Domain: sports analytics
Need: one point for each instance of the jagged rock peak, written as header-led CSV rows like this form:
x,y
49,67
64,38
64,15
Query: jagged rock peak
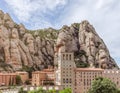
x,y
21,48
88,47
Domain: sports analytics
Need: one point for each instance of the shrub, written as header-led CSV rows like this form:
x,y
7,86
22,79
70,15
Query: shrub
x,y
18,80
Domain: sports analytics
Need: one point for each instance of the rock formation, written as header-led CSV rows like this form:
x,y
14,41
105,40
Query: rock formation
x,y
87,46
21,48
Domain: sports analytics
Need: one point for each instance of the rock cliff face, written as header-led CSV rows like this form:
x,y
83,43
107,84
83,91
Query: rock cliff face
x,y
20,48
89,49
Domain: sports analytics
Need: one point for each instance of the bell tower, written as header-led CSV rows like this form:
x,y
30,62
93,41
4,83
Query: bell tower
x,y
65,75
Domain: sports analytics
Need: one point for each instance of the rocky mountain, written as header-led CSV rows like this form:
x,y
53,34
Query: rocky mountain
x,y
89,49
21,48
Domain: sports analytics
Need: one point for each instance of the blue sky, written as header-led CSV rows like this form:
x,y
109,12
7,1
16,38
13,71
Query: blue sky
x,y
104,15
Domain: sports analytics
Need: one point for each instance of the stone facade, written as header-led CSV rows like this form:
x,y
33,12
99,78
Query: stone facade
x,y
84,78
113,75
24,76
64,74
7,79
45,77
79,79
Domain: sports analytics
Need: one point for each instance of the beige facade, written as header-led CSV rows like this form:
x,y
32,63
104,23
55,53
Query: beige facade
x,y
7,79
24,76
113,75
43,77
79,79
64,74
84,78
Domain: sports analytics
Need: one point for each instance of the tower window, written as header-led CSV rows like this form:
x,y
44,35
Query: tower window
x,y
70,57
66,80
63,80
70,80
63,56
66,56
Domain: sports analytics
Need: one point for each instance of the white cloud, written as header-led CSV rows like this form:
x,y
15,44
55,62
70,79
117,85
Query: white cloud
x,y
39,22
24,9
100,4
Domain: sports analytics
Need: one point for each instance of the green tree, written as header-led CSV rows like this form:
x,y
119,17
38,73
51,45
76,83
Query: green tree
x,y
52,91
21,90
118,91
29,70
27,82
103,85
0,91
40,90
18,80
67,90
33,91
81,64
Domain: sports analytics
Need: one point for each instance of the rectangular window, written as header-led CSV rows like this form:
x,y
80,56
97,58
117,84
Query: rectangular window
x,y
63,56
63,80
66,56
69,57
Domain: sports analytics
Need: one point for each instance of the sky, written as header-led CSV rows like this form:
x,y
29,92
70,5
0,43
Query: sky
x,y
104,15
